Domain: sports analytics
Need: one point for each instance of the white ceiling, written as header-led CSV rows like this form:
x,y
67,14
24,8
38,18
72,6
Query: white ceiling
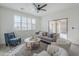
x,y
29,7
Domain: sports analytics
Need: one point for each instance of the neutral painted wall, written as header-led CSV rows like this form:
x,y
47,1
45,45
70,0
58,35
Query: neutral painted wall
x,y
73,21
7,23
0,28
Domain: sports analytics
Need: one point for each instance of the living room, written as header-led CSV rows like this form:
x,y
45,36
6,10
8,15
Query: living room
x,y
25,21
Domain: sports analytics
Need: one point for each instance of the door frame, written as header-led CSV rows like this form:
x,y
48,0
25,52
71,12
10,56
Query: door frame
x,y
57,20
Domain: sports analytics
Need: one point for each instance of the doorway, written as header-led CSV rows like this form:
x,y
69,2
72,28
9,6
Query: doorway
x,y
59,26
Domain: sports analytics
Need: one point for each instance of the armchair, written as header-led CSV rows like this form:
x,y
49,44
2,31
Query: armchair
x,y
10,39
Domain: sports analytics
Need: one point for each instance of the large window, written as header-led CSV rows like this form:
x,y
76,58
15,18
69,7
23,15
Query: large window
x,y
17,22
24,23
33,24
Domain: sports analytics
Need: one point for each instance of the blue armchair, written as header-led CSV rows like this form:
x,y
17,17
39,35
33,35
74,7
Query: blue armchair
x,y
11,40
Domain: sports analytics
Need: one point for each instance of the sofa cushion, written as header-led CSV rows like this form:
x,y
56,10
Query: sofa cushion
x,y
56,51
52,49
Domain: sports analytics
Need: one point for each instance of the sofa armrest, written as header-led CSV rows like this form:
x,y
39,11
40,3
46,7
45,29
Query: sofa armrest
x,y
62,43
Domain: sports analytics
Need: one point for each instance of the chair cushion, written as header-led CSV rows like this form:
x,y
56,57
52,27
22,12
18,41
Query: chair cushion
x,y
13,39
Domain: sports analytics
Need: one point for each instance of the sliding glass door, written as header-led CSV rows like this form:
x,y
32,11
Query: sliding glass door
x,y
59,26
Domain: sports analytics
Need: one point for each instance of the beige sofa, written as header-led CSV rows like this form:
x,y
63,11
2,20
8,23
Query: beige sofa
x,y
58,48
52,51
48,38
66,44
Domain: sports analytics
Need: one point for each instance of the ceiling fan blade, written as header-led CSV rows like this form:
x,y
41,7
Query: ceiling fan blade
x,y
43,9
35,5
43,6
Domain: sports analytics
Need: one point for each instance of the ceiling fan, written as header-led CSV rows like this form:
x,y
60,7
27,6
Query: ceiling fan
x,y
39,7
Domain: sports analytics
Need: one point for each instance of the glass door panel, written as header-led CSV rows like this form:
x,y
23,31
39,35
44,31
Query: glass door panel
x,y
60,27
